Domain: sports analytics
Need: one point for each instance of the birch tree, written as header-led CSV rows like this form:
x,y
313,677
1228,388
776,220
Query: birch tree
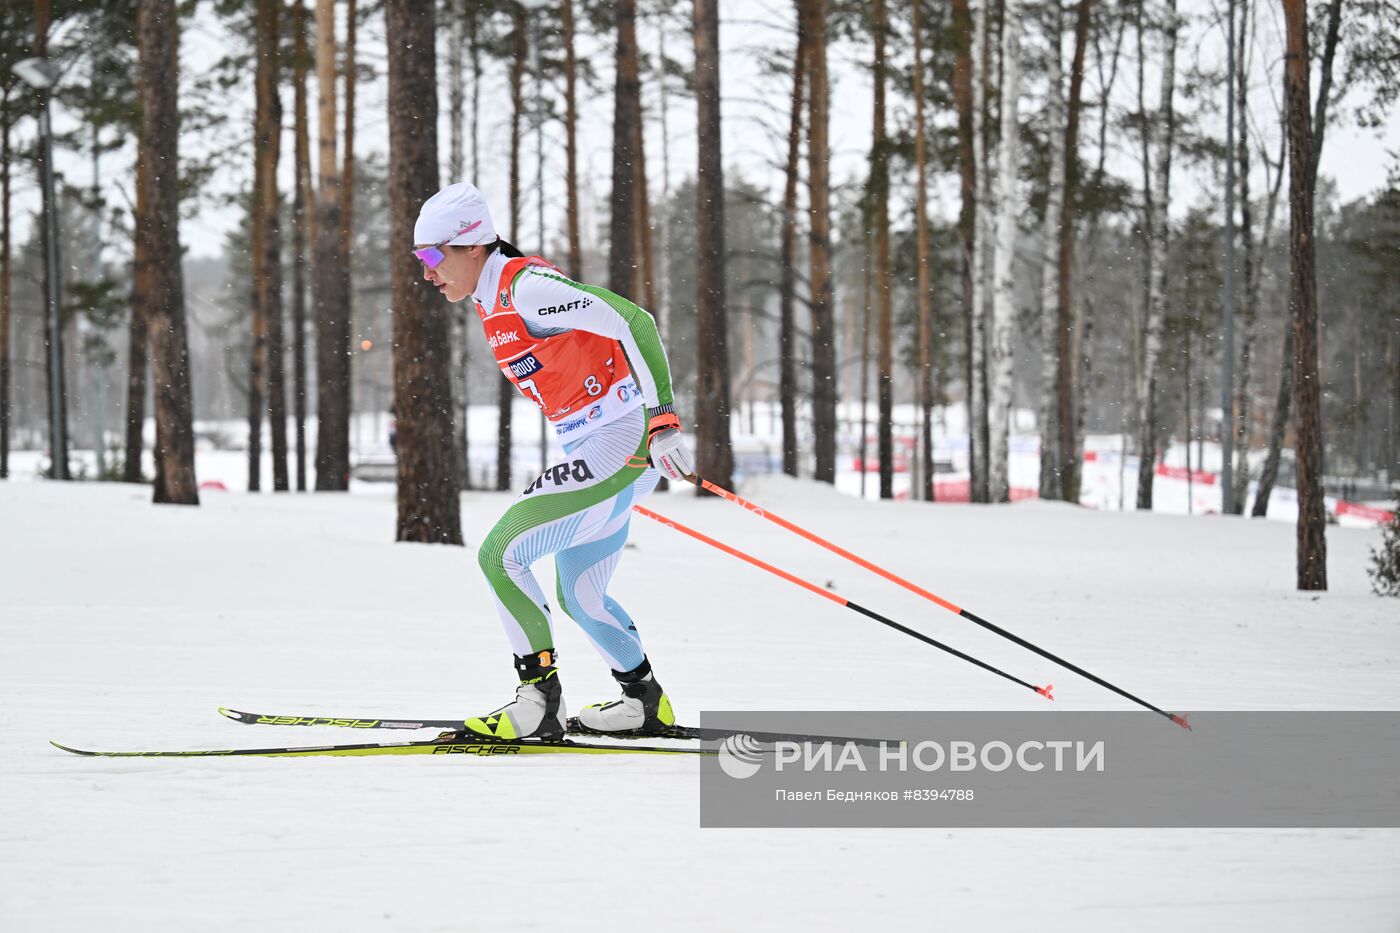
x,y
1004,285
1050,456
1157,236
787,282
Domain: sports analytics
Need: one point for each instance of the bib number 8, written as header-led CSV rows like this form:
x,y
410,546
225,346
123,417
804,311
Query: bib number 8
x,y
592,386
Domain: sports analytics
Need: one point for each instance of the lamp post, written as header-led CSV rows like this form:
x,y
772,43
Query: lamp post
x,y
41,74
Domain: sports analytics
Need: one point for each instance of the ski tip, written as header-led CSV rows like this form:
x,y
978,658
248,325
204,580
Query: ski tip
x,y
62,747
230,713
1045,691
1181,721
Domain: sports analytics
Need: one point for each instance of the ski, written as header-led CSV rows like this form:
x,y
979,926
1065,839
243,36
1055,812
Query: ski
x,y
344,722
685,733
480,749
702,734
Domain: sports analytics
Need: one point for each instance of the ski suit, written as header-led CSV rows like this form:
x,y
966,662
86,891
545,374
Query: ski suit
x,y
594,363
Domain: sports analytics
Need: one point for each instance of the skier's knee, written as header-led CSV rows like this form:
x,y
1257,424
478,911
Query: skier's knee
x,y
491,557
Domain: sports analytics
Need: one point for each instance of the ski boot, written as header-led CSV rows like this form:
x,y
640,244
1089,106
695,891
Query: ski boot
x,y
536,713
643,710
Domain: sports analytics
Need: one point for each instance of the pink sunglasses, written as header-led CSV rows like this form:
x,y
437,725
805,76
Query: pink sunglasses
x,y
432,256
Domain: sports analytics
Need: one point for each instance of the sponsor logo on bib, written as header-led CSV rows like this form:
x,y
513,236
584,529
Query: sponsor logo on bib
x,y
527,365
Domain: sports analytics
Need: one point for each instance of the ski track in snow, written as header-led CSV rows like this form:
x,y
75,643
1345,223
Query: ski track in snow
x,y
124,625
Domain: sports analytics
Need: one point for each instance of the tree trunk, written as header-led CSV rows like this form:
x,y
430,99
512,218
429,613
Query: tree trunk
x,y
328,293
977,416
1158,236
505,392
300,199
880,194
347,203
923,282
429,507
5,287
272,228
138,338
868,268
456,89
787,283
714,455
1283,404
626,114
644,281
1068,378
265,380
1278,429
1081,376
463,316
1302,302
55,358
968,162
1051,480
824,383
571,143
1186,383
1004,294
1250,305
159,226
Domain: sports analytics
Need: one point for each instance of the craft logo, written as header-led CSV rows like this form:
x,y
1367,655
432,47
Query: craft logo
x,y
500,340
527,365
566,306
740,756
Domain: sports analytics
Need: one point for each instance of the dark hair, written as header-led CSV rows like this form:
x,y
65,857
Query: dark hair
x,y
506,249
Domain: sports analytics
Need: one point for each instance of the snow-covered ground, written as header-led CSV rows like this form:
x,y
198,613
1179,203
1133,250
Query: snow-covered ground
x,y
126,625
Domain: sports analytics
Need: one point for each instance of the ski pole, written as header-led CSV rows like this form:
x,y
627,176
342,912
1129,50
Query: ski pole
x,y
839,600
933,597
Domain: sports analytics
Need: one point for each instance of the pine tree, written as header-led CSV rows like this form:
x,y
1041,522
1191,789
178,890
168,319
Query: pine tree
x,y
429,510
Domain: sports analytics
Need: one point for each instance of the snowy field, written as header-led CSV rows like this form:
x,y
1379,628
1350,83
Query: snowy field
x,y
123,625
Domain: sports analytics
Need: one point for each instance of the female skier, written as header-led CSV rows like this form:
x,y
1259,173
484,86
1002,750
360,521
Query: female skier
x,y
593,362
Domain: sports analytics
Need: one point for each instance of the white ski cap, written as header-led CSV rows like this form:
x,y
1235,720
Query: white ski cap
x,y
459,209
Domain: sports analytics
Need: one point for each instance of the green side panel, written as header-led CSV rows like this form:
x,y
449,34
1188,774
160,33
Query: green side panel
x,y
643,328
539,509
